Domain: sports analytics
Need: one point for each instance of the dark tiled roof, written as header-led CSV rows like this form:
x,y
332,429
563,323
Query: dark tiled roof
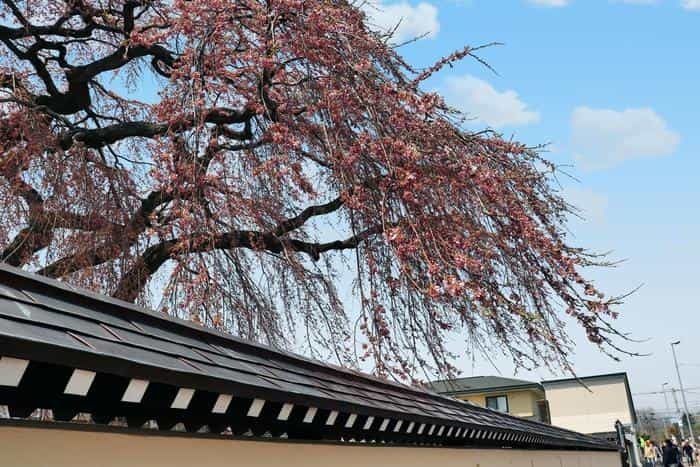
x,y
480,384
73,352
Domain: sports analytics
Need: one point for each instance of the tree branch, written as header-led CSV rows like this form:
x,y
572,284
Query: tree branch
x,y
312,211
100,137
155,256
39,233
77,97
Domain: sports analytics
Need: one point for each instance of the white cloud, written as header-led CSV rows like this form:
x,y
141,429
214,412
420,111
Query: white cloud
x,y
591,205
549,3
410,21
481,101
603,138
692,5
637,2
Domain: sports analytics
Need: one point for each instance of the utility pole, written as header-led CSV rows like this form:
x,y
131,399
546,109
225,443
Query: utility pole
x,y
678,410
680,382
668,410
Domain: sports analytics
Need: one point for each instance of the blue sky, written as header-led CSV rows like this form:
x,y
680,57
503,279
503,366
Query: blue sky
x,y
612,85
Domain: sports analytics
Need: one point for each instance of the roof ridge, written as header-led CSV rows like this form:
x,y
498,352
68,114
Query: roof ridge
x,y
65,287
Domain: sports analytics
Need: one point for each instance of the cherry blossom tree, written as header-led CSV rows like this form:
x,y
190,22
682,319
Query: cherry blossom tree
x,y
272,168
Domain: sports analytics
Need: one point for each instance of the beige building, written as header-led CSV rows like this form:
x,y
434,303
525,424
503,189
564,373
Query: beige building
x,y
588,405
592,404
524,399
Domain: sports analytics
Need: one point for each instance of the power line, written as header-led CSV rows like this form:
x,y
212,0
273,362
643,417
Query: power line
x,y
670,411
696,388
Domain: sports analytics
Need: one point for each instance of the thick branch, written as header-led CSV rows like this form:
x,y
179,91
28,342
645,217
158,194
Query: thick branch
x,y
27,242
42,221
56,29
100,137
312,211
39,233
78,96
109,251
155,256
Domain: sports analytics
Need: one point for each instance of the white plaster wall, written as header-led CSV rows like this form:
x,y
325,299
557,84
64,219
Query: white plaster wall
x,y
589,410
36,447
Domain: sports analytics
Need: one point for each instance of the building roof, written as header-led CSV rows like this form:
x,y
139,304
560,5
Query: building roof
x,y
482,384
73,351
622,376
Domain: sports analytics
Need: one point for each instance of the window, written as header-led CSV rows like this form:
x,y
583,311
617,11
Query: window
x,y
543,410
499,403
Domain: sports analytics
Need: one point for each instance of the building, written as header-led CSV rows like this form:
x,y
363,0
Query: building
x,y
591,404
121,386
524,399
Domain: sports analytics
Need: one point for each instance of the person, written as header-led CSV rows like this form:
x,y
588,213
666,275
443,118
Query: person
x,y
649,454
689,452
659,454
672,456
